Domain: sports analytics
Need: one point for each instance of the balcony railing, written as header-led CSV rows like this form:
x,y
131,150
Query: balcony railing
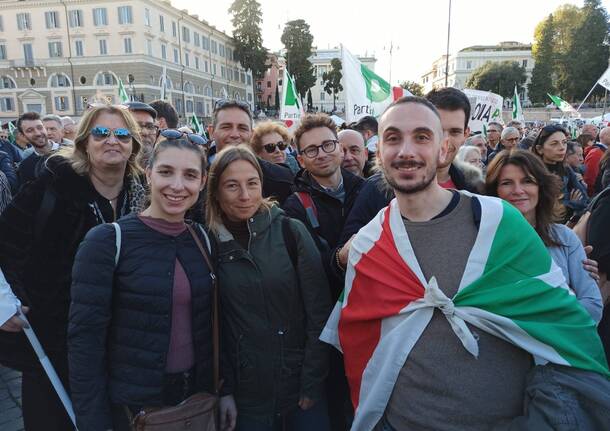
x,y
25,62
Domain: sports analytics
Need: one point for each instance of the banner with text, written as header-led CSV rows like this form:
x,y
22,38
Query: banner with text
x,y
291,108
485,107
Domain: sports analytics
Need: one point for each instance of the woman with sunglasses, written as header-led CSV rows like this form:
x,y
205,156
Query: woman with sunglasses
x,y
140,332
275,301
270,141
96,181
520,178
551,147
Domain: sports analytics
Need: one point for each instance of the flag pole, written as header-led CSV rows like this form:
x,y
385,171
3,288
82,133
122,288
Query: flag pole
x,y
587,96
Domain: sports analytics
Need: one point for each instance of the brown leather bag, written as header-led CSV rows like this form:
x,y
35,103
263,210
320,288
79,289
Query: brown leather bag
x,y
199,411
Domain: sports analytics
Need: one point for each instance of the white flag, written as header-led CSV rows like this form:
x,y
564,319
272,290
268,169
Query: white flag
x,y
517,111
291,107
604,81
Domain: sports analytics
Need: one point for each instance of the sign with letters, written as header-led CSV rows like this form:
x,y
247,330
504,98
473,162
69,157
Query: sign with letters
x,y
485,107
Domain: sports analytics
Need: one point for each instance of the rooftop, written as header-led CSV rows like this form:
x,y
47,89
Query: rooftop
x,y
502,46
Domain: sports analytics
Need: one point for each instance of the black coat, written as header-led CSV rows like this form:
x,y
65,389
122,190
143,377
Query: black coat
x,y
6,166
332,214
120,318
40,232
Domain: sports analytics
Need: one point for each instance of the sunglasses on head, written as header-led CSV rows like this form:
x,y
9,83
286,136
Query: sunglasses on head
x,y
100,133
270,148
219,104
178,134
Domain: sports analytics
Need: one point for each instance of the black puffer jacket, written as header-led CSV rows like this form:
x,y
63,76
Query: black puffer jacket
x,y
40,232
120,318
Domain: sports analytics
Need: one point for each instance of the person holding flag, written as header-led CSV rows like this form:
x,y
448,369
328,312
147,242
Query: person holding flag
x,y
424,326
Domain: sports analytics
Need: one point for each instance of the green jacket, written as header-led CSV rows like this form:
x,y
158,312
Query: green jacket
x,y
272,316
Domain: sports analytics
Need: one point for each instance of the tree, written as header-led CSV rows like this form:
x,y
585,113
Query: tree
x,y
298,41
499,78
589,51
542,51
332,80
412,86
247,20
309,100
277,98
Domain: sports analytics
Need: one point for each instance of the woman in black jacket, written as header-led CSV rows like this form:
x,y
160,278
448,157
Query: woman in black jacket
x,y
94,182
275,301
140,332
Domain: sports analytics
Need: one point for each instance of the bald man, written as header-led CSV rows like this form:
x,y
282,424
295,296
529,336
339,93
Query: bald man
x,y
355,153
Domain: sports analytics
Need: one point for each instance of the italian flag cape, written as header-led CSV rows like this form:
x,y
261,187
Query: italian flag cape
x,y
511,288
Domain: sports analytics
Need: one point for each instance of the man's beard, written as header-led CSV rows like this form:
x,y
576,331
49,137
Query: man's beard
x,y
429,177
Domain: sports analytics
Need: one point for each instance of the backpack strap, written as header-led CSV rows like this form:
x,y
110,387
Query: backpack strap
x,y
290,241
117,239
310,208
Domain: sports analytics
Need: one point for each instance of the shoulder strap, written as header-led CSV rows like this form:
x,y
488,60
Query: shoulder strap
x,y
117,239
215,324
42,216
310,208
290,241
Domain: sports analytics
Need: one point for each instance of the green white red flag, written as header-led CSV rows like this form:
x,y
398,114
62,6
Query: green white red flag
x,y
387,303
517,110
123,96
366,93
563,105
291,107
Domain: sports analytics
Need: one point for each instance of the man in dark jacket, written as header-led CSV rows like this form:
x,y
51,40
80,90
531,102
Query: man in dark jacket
x,y
324,196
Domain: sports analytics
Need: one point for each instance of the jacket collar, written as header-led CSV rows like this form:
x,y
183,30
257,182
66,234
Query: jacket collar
x,y
304,182
257,224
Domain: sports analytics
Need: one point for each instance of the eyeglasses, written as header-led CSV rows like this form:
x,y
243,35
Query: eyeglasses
x,y
219,104
177,134
313,150
100,133
149,127
270,148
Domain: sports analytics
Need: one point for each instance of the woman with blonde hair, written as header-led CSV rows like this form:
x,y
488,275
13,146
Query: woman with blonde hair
x,y
269,141
274,301
94,182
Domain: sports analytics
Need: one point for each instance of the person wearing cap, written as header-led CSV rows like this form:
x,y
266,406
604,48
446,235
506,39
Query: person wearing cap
x,y
368,127
145,115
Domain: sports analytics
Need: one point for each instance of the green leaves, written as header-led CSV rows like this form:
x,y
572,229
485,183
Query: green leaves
x,y
500,78
298,41
247,20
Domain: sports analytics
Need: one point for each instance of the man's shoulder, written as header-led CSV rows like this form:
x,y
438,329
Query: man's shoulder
x,y
276,172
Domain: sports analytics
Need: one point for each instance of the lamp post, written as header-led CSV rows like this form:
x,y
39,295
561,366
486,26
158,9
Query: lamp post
x,y
448,37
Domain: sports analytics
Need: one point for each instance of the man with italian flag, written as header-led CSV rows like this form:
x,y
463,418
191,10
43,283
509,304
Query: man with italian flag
x,y
450,299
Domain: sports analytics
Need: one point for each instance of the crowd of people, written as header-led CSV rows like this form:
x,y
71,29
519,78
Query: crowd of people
x,y
468,272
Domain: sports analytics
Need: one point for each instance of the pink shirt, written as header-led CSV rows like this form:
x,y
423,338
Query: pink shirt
x,y
181,356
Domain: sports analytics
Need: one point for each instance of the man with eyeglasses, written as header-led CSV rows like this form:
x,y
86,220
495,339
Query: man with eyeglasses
x,y
145,115
509,139
232,125
324,195
355,153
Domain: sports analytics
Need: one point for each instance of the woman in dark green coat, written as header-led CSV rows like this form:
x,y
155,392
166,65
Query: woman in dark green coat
x,y
274,301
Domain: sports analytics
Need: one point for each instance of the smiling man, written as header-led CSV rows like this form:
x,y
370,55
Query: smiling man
x,y
355,153
32,129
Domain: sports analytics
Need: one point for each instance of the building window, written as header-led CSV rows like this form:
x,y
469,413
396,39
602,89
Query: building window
x,y
60,80
55,49
223,72
79,50
2,52
125,16
1,23
76,18
469,65
199,109
147,17
7,104
28,53
127,45
81,103
187,61
51,19
197,63
524,64
213,68
100,16
196,39
214,46
221,49
103,47
178,105
24,21
176,56
161,23
205,66
229,54
105,79
205,43
149,48
6,82
164,52
249,79
186,35
322,96
62,103
174,29
268,84
189,106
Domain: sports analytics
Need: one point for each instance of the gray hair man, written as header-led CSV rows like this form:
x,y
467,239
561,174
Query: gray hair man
x,y
355,153
70,128
479,142
509,139
55,130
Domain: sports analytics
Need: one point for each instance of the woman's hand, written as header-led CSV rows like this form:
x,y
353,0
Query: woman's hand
x,y
575,195
590,265
228,413
15,324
